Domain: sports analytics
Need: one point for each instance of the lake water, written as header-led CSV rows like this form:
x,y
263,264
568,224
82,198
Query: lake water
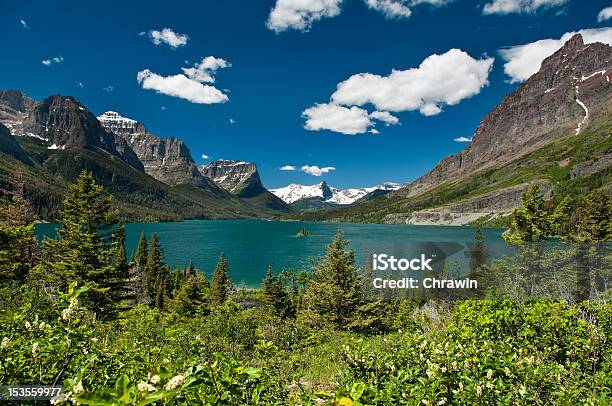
x,y
251,245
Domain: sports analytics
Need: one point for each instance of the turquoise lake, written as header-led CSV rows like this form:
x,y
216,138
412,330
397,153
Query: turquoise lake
x,y
252,245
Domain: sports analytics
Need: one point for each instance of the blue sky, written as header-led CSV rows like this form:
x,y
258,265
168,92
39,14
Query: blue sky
x,y
285,64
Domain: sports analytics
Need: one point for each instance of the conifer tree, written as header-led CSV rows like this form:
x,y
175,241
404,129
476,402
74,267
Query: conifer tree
x,y
221,284
140,257
156,273
594,228
276,296
120,268
478,253
595,218
139,276
333,293
190,270
18,249
533,222
84,251
191,295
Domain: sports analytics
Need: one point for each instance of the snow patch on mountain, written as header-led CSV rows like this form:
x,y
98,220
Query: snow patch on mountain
x,y
294,192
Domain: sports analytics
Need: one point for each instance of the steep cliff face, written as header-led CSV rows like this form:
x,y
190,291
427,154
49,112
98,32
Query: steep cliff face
x,y
238,177
14,106
571,88
166,159
62,123
242,180
9,145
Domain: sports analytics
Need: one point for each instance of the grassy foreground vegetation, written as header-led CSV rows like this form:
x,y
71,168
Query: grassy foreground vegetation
x,y
76,312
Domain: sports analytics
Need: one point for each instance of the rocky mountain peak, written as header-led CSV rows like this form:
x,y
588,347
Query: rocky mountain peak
x,y
570,89
61,122
166,159
14,105
238,177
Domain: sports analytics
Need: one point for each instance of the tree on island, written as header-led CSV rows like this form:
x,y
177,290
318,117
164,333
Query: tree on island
x,y
221,284
333,293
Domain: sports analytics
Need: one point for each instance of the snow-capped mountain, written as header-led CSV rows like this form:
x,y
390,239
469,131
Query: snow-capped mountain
x,y
322,191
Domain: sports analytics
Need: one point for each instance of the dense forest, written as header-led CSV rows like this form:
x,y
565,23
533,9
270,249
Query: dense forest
x,y
75,311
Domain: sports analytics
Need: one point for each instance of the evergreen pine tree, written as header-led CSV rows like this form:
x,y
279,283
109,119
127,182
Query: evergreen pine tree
x,y
478,253
276,296
595,218
119,267
191,296
84,251
156,273
533,222
139,275
18,248
594,228
221,284
333,293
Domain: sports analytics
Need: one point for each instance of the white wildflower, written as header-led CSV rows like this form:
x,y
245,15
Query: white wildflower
x,y
94,340
35,349
28,325
4,343
146,387
430,373
78,388
175,382
155,379
489,374
479,390
61,398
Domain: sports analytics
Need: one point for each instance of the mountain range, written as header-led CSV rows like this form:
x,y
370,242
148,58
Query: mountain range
x,y
48,143
555,130
321,195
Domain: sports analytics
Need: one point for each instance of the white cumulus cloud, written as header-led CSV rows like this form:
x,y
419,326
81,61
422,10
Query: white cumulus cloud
x,y
300,14
315,170
337,118
109,88
287,168
205,70
57,60
462,139
168,36
24,24
519,6
604,14
204,156
444,79
390,8
385,117
181,86
522,61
